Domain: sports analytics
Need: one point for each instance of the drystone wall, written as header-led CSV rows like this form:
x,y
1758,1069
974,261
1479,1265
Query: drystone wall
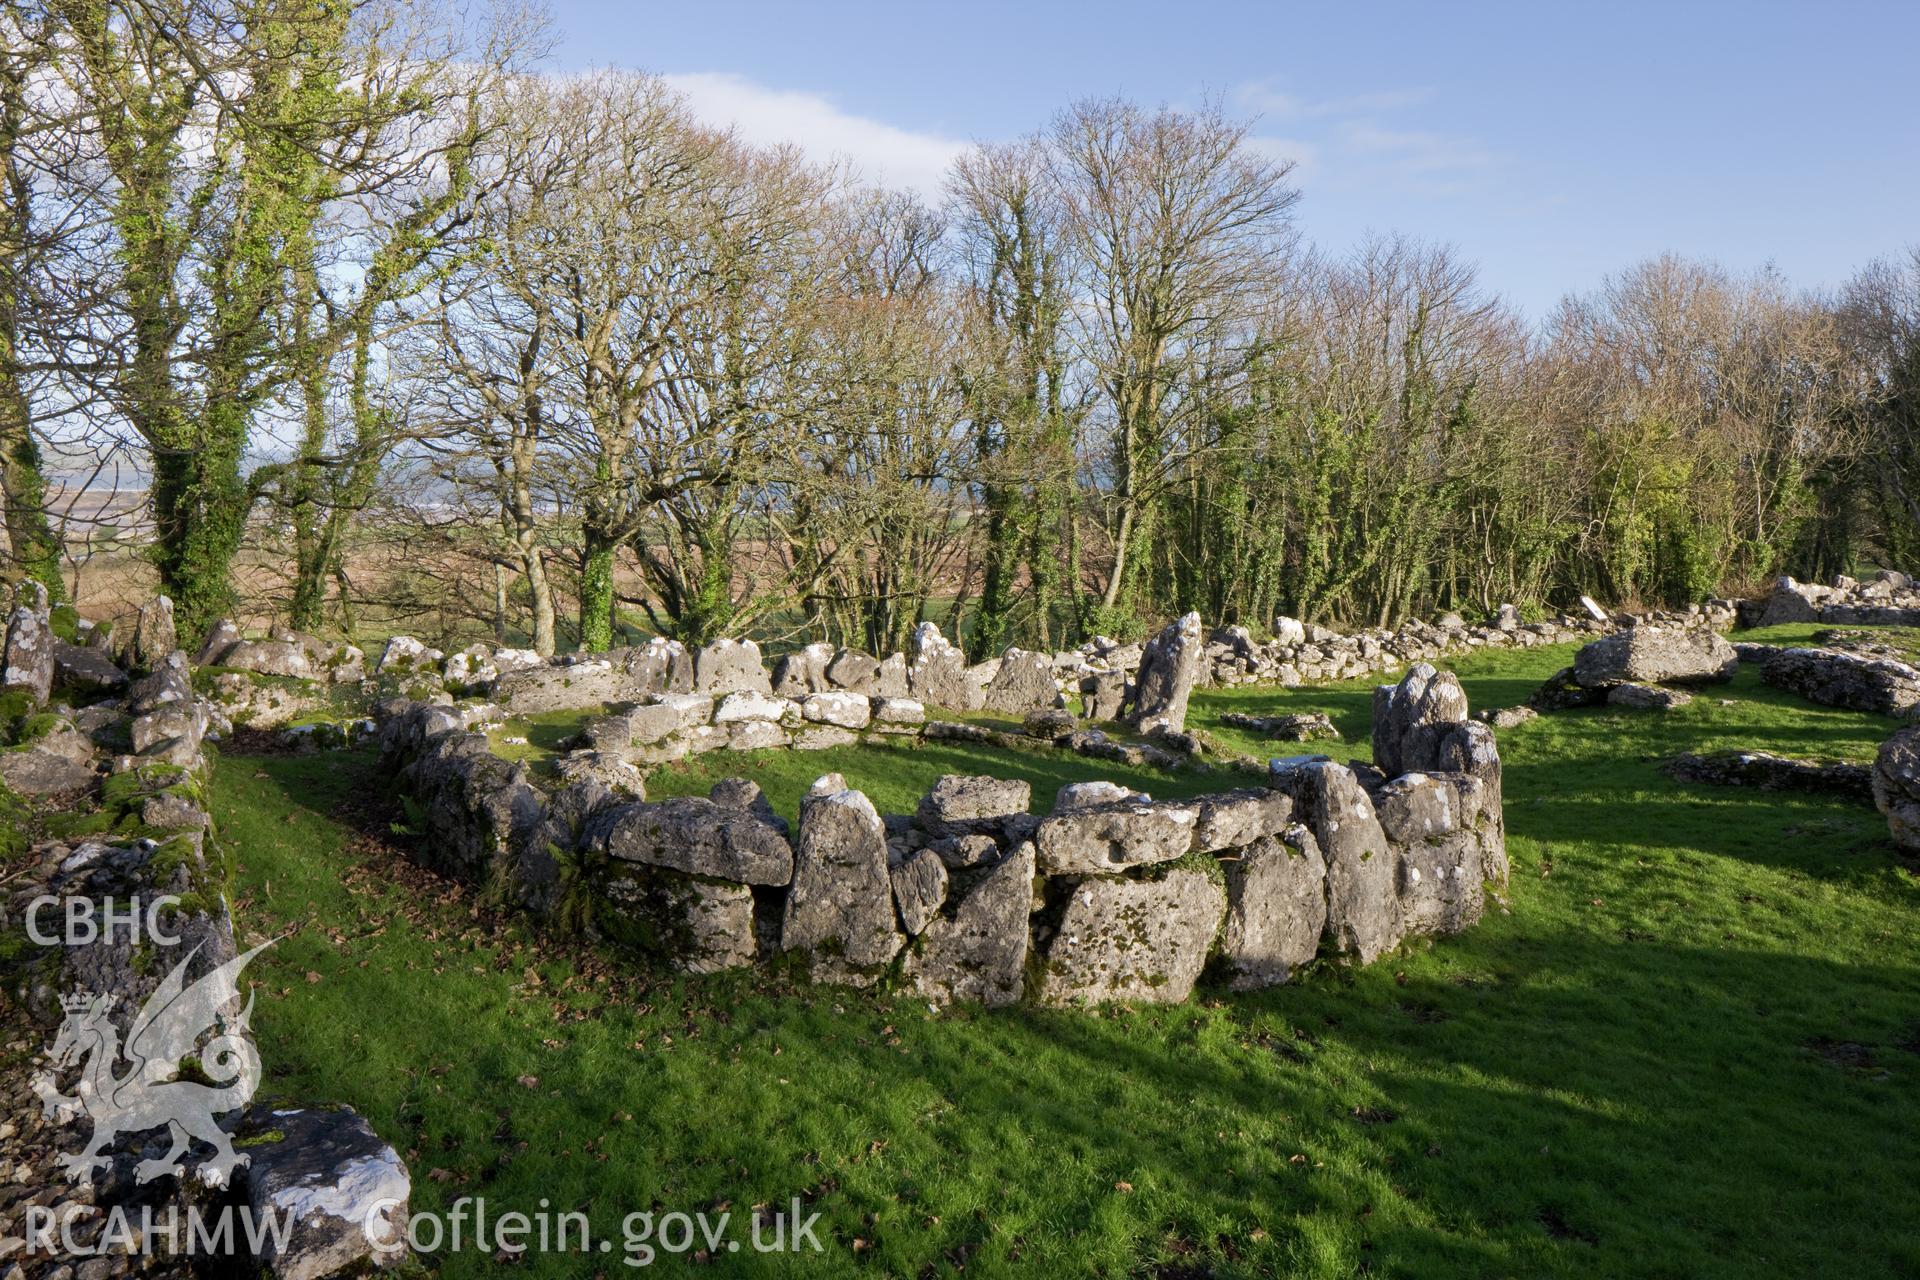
x,y
1109,895
1889,598
130,767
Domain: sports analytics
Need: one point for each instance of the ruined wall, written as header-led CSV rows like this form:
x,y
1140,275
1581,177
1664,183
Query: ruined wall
x,y
1110,895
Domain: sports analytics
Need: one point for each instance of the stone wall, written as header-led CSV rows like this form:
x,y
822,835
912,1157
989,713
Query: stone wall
x,y
1109,895
1889,598
130,764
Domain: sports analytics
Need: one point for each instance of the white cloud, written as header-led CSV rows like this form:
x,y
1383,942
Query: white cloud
x,y
1348,144
879,152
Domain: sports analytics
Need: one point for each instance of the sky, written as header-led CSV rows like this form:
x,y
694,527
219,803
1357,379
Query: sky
x,y
1552,143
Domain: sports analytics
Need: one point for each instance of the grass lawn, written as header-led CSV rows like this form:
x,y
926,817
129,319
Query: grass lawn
x,y
1691,1048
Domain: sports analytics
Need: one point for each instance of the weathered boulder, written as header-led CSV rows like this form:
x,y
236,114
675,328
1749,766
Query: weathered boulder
x,y
937,673
1649,654
85,672
153,636
1647,697
1087,795
1231,818
1363,907
1143,940
979,950
960,804
1791,601
1896,787
37,771
405,655
605,768
919,889
1049,725
1438,824
1103,694
898,711
658,666
747,705
695,835
840,908
1410,717
854,672
1114,836
1276,908
699,925
471,670
27,663
890,681
756,735
847,710
1836,678
730,666
342,1192
1023,683
268,658
795,675
561,686
1170,666
221,636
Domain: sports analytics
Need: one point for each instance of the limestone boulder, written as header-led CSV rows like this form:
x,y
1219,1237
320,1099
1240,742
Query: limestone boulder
x,y
1137,940
697,836
937,672
153,636
978,950
1409,717
1648,654
846,710
1896,787
919,889
697,925
1276,908
341,1190
1363,906
85,672
27,663
1170,667
1114,836
730,666
1023,683
961,804
1231,818
840,908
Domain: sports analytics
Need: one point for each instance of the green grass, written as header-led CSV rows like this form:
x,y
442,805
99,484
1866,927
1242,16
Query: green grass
x,y
1690,1048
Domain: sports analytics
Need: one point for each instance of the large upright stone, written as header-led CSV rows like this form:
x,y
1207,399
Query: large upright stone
x,y
28,663
1024,683
1649,654
1276,908
839,910
1406,717
1791,601
1363,907
979,952
153,636
1896,787
937,673
1133,940
221,636
697,925
730,666
797,674
1169,668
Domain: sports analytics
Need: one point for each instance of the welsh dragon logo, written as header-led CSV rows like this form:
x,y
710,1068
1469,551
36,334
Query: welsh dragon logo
x,y
149,1093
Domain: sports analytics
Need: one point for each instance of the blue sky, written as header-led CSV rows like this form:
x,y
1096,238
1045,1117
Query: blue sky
x,y
1553,143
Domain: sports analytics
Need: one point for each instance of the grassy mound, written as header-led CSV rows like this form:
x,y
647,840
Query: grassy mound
x,y
1691,1048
